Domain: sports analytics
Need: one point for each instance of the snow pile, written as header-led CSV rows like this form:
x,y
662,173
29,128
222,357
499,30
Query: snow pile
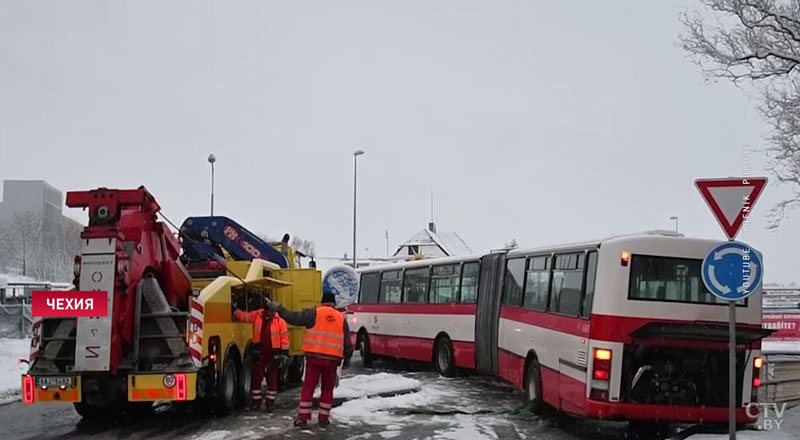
x,y
372,385
11,350
382,410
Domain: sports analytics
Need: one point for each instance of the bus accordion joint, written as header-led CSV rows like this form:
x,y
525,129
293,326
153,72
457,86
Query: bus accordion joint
x,y
601,374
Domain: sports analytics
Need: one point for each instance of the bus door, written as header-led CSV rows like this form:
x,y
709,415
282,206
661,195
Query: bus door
x,y
487,316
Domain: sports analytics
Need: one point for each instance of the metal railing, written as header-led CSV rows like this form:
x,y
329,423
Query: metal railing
x,y
780,380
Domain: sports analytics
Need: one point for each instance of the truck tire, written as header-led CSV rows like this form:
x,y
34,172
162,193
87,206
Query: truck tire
x,y
227,388
245,378
92,412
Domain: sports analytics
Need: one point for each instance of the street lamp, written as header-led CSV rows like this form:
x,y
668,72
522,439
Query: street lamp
x,y
355,186
211,160
676,223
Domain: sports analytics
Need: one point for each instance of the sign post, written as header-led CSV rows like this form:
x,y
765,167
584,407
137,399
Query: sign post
x,y
731,270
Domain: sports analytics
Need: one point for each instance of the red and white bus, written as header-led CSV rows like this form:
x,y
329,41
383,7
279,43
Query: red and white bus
x,y
621,328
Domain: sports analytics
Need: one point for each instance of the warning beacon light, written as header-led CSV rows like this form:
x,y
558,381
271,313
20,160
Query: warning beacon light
x,y
625,258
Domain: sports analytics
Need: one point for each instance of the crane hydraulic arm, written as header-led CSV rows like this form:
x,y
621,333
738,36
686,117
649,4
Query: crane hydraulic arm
x,y
204,237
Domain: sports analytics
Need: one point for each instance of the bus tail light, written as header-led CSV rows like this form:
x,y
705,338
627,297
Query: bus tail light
x,y
757,364
601,375
625,258
180,392
27,389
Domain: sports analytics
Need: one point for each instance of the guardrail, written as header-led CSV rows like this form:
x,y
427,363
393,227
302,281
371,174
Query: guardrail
x,y
780,380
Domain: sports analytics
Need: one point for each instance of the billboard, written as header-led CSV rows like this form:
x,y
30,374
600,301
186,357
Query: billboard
x,y
786,326
773,298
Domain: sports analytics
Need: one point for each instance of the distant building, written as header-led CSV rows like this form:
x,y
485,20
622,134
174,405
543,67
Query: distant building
x,y
430,243
35,197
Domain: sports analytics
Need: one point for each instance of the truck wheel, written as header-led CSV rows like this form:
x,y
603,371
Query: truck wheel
x,y
226,395
245,377
364,349
91,412
444,358
533,386
296,369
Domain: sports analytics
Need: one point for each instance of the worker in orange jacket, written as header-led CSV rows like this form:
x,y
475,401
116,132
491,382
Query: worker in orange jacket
x,y
273,351
327,345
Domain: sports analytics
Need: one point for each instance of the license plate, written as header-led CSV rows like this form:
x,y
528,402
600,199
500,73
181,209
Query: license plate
x,y
54,381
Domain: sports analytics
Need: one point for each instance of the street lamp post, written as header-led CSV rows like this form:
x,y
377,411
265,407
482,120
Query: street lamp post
x,y
211,160
676,223
355,187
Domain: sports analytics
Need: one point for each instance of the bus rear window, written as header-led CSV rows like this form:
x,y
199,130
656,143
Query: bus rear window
x,y
669,279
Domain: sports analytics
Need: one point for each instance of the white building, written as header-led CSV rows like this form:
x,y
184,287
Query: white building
x,y
429,243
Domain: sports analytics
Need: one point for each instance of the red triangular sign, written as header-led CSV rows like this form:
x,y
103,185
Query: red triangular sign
x,y
731,199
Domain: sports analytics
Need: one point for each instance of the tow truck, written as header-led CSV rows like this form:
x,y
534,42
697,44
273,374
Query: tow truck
x,y
170,334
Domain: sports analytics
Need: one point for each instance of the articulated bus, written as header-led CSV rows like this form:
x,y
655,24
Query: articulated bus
x,y
621,328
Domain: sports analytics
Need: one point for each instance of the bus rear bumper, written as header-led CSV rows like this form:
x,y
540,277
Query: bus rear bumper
x,y
663,413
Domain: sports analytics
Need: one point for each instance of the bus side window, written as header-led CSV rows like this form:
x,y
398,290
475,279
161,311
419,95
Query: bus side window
x,y
369,288
567,282
588,291
391,287
469,282
537,283
416,285
513,282
444,284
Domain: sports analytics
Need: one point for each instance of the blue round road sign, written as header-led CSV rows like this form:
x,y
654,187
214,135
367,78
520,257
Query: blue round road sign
x,y
343,282
732,270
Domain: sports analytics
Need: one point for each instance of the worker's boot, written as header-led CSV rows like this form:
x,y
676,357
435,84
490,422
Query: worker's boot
x,y
300,423
254,406
324,422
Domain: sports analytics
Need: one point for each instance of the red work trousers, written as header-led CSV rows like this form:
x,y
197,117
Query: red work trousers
x,y
265,362
316,369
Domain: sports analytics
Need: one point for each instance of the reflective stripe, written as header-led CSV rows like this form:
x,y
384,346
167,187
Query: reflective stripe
x,y
328,344
303,411
305,404
325,405
336,336
324,412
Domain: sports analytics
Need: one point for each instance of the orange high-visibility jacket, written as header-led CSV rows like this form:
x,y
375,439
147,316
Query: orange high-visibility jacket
x,y
326,337
280,333
253,317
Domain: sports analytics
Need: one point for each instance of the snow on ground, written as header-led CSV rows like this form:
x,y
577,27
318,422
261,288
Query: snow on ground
x,y
213,435
372,385
383,410
11,350
468,427
789,429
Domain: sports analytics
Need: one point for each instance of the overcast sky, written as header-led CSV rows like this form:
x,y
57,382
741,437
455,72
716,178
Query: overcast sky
x,y
541,121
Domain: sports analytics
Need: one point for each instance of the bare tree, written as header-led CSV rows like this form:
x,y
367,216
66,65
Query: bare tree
x,y
21,236
42,250
757,41
304,246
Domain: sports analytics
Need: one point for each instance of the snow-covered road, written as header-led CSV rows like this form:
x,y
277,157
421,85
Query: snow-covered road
x,y
383,403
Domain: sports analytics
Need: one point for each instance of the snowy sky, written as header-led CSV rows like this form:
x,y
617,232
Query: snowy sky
x,y
540,121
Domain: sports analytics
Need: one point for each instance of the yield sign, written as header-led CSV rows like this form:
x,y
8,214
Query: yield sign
x,y
731,199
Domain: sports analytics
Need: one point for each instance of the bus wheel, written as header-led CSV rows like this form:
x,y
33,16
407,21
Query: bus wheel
x,y
533,386
445,361
364,349
227,387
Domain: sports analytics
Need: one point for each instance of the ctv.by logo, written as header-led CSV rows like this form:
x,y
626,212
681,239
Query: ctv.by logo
x,y
772,414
